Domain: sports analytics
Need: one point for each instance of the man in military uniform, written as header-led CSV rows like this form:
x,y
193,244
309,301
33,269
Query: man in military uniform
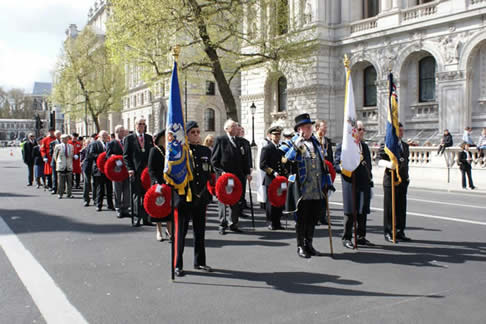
x,y
400,191
271,164
78,146
200,158
307,186
360,202
321,131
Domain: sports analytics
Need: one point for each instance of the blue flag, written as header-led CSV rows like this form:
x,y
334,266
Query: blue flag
x,y
177,171
392,146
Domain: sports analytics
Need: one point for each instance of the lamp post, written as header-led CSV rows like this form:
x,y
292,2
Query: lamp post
x,y
253,111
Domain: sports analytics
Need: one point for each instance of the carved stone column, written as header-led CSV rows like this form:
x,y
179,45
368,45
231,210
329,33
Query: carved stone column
x,y
382,105
454,112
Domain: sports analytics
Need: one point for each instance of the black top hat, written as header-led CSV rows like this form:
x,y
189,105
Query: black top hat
x,y
275,130
302,119
190,125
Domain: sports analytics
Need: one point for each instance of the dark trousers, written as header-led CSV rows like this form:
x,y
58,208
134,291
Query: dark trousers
x,y
49,180
185,213
323,215
122,196
307,215
54,179
76,179
30,172
88,187
235,211
274,214
137,198
103,186
348,226
467,172
400,208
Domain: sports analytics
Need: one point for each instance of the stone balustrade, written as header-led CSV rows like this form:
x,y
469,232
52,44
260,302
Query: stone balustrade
x,y
478,2
425,10
364,25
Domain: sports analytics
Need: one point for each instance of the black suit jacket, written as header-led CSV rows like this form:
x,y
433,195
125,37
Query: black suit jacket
x,y
363,175
227,158
135,158
247,156
28,152
114,147
156,165
270,162
464,164
95,148
402,164
327,146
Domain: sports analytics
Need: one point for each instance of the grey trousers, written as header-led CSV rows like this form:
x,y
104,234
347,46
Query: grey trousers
x,y
122,195
65,177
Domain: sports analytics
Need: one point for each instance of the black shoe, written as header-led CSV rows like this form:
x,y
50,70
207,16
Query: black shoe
x,y
271,228
86,204
98,209
235,229
53,192
472,188
69,196
222,231
147,223
111,208
136,221
119,215
203,268
59,196
310,249
302,253
179,272
364,241
29,185
388,238
348,244
402,237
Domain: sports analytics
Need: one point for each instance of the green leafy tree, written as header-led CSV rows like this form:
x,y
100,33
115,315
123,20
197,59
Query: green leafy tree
x,y
85,77
212,36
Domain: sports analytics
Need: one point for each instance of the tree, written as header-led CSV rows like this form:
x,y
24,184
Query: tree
x,y
212,36
15,103
85,77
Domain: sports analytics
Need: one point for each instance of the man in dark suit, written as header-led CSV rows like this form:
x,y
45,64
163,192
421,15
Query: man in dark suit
x,y
136,149
400,191
362,197
321,131
229,156
249,160
122,188
28,157
271,163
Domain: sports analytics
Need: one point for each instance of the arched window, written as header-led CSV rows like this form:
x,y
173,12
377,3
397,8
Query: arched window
x,y
427,79
370,8
369,86
282,94
209,120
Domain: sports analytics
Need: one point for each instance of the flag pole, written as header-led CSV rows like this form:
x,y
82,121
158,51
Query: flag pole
x,y
394,228
329,223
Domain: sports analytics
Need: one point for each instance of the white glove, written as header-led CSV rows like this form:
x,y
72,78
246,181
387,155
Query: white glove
x,y
158,189
45,159
298,141
386,164
76,157
275,174
118,163
230,185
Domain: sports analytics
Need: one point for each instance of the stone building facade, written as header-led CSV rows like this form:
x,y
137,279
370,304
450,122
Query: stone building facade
x,y
436,51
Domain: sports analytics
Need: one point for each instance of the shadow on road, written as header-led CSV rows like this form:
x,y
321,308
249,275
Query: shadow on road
x,y
9,194
294,282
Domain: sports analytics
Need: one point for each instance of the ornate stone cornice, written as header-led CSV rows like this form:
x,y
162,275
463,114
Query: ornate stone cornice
x,y
253,97
451,76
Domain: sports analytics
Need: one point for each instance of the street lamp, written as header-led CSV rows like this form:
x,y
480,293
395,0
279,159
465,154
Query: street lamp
x,y
253,111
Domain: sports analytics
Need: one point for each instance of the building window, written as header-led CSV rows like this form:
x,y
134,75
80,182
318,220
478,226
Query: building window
x,y
282,94
142,99
370,8
282,17
419,2
427,79
210,88
369,86
209,120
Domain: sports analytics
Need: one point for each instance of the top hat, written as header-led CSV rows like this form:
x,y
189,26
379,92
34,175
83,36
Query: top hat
x,y
302,119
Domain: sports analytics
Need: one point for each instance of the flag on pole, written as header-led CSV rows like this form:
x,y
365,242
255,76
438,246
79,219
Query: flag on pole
x,y
350,153
177,170
392,146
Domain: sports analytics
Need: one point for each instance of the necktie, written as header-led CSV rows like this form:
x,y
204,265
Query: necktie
x,y
66,150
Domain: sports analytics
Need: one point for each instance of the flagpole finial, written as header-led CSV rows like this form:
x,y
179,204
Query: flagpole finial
x,y
346,61
176,51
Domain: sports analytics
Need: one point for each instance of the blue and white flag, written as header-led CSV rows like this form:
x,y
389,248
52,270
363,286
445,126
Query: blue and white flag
x,y
392,146
177,171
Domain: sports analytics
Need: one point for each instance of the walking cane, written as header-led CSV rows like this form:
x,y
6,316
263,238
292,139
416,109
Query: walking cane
x,y
329,223
251,206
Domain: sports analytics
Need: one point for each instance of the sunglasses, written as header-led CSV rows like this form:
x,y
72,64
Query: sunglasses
x,y
361,129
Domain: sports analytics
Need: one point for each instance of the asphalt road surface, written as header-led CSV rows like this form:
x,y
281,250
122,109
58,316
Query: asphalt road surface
x,y
61,262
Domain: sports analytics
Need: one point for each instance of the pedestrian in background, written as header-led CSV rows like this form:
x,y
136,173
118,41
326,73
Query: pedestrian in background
x,y
38,166
28,157
467,138
445,142
482,147
209,141
464,162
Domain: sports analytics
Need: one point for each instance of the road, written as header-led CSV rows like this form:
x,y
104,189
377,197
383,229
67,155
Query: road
x,y
64,263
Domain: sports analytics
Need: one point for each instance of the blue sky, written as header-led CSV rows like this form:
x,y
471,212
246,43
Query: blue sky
x,y
31,36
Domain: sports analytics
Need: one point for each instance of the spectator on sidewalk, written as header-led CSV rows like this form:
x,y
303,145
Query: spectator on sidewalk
x,y
27,154
464,162
467,138
445,142
482,147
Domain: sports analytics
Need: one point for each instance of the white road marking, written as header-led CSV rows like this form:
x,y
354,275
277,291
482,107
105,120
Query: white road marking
x,y
440,202
452,219
49,298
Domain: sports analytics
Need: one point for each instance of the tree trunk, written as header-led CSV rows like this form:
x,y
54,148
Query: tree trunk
x,y
223,85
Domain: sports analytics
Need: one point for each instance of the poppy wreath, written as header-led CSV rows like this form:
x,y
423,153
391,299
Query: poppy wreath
x,y
113,171
158,204
331,169
101,161
211,185
276,196
145,179
228,198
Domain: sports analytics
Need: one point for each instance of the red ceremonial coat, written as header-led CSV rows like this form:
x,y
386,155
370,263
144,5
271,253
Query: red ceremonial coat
x,y
76,163
45,145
